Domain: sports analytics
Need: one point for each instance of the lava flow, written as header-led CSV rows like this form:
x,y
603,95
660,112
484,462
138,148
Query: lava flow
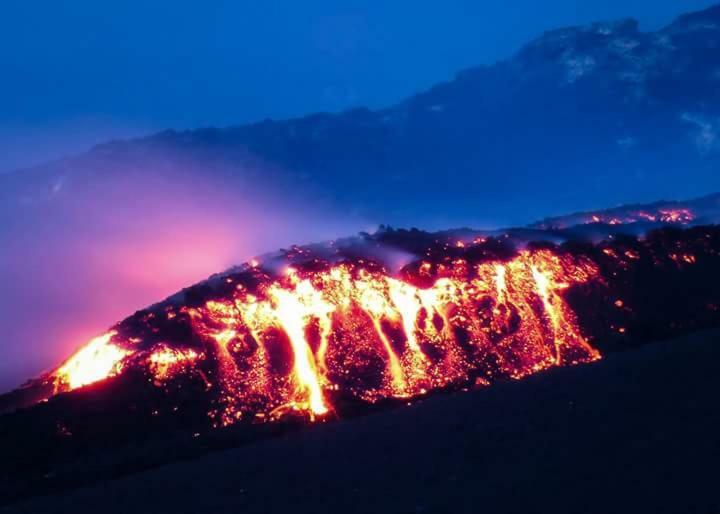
x,y
299,340
97,360
335,329
667,215
680,216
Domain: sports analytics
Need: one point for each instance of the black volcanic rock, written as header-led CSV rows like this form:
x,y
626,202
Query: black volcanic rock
x,y
634,433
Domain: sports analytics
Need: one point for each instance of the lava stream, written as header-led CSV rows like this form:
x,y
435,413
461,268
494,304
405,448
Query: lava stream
x,y
304,339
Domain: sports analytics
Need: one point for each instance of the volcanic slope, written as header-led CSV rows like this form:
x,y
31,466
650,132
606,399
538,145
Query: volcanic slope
x,y
635,432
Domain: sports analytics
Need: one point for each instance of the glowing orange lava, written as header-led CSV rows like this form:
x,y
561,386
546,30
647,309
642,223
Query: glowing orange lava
x,y
677,216
668,215
165,362
97,360
297,341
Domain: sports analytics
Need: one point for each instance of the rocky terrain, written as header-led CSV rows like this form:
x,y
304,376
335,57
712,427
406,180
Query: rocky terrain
x,y
633,433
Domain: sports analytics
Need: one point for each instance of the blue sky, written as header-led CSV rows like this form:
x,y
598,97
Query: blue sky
x,y
78,72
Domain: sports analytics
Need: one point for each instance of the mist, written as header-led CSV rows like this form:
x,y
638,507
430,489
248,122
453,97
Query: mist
x,y
85,247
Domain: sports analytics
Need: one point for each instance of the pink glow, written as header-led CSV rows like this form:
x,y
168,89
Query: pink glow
x,y
82,252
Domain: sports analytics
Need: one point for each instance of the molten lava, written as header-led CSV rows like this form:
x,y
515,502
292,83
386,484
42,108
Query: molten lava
x,y
322,330
304,339
359,324
668,215
97,360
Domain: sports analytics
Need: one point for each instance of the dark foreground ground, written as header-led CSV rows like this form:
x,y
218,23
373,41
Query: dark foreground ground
x,y
637,432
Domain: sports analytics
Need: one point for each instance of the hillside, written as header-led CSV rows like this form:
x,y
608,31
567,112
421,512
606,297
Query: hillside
x,y
623,435
312,334
600,114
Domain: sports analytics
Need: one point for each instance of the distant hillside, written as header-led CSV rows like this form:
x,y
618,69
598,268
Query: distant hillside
x,y
592,115
704,210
